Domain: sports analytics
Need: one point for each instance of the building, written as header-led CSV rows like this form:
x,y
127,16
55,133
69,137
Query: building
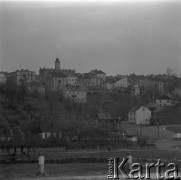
x,y
154,84
109,85
139,115
95,80
22,76
75,94
7,133
72,80
47,132
55,81
3,77
134,90
44,71
98,73
84,81
88,80
165,100
123,82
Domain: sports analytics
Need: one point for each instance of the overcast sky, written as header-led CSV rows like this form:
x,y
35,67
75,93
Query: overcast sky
x,y
117,37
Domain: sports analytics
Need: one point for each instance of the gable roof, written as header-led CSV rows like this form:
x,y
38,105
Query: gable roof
x,y
135,108
17,132
164,97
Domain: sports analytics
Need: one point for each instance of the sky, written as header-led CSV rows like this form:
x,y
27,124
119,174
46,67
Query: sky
x,y
118,37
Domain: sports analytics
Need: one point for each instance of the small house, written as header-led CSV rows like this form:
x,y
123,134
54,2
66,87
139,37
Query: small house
x,y
47,132
104,117
165,100
139,115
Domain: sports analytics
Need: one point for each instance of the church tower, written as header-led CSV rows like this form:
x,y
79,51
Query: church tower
x,y
57,64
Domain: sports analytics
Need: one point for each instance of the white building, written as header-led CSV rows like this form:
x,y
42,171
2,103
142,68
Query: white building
x,y
123,82
75,94
72,80
109,85
47,132
165,100
22,76
139,115
177,135
98,73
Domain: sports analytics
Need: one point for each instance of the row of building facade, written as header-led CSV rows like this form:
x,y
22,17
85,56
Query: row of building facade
x,y
75,85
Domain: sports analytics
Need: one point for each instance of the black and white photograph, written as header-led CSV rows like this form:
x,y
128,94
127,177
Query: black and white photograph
x,y
90,89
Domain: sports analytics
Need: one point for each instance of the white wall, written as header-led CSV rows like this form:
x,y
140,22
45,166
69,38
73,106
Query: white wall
x,y
143,115
177,135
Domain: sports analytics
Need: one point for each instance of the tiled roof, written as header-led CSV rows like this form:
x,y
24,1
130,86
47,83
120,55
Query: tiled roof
x,y
134,108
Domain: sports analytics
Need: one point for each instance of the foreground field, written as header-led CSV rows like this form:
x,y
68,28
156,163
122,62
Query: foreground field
x,y
19,171
150,154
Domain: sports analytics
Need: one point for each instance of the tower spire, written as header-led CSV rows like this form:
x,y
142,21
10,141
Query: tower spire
x,y
57,64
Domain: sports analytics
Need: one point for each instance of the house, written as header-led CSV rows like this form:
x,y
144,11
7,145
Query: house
x,y
104,117
123,82
17,132
47,132
22,76
139,115
98,73
76,94
165,100
7,134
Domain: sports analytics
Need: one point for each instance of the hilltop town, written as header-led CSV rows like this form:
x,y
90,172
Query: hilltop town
x,y
60,107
